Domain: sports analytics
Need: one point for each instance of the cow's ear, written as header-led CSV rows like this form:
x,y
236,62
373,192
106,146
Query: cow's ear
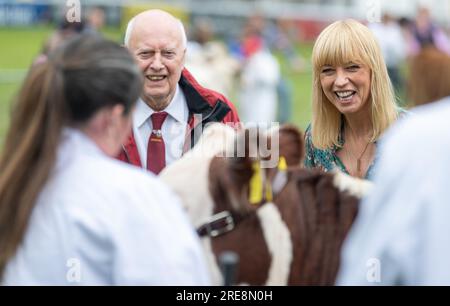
x,y
245,152
240,166
291,144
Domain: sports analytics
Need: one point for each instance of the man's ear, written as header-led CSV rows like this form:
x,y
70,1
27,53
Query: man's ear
x,y
184,57
117,111
110,119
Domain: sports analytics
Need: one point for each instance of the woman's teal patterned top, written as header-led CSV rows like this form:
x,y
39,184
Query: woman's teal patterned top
x,y
327,160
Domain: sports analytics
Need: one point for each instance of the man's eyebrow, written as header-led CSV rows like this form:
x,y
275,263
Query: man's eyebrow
x,y
143,49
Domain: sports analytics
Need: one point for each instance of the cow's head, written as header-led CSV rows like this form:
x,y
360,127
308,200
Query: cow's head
x,y
288,222
244,179
224,172
214,173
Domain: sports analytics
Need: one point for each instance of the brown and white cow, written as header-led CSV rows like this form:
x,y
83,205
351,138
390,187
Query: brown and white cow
x,y
292,239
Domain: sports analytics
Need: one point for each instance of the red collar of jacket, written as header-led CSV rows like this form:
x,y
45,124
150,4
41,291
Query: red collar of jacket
x,y
202,103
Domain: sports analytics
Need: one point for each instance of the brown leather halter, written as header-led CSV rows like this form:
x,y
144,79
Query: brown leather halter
x,y
226,221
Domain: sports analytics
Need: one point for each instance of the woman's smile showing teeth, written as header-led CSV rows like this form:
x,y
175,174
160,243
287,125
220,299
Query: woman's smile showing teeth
x,y
345,95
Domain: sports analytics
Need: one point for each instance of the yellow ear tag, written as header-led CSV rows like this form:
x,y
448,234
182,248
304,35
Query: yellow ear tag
x,y
282,165
269,197
255,196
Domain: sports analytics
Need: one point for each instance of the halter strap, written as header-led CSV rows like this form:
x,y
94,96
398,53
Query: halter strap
x,y
226,221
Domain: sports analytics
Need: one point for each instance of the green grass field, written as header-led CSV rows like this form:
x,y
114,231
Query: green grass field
x,y
21,45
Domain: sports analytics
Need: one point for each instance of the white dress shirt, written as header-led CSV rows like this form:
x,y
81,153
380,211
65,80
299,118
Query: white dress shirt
x,y
173,128
401,234
99,221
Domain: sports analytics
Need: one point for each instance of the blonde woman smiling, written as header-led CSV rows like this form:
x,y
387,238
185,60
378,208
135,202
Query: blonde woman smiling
x,y
353,100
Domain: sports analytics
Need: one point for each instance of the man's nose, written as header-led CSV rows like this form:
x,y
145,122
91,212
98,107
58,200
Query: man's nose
x,y
156,63
341,77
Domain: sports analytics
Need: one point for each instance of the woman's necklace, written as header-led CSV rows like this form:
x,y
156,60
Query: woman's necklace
x,y
358,159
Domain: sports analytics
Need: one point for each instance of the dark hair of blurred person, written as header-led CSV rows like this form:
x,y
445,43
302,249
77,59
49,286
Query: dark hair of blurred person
x,y
429,76
66,30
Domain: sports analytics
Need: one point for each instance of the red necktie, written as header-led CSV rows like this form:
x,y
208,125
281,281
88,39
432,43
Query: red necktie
x,y
156,152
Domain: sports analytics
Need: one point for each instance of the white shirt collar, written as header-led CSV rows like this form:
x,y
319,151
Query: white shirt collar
x,y
178,106
75,139
141,113
176,109
74,143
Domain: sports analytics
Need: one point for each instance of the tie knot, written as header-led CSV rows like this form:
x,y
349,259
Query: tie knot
x,y
158,119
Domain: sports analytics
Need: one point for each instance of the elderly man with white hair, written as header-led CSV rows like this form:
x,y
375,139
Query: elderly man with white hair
x,y
173,104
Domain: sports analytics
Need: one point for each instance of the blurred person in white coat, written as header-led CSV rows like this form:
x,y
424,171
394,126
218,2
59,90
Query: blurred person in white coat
x,y
400,236
259,80
69,213
208,59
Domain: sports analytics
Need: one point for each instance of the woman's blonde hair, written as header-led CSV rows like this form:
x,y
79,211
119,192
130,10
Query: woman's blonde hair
x,y
340,43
